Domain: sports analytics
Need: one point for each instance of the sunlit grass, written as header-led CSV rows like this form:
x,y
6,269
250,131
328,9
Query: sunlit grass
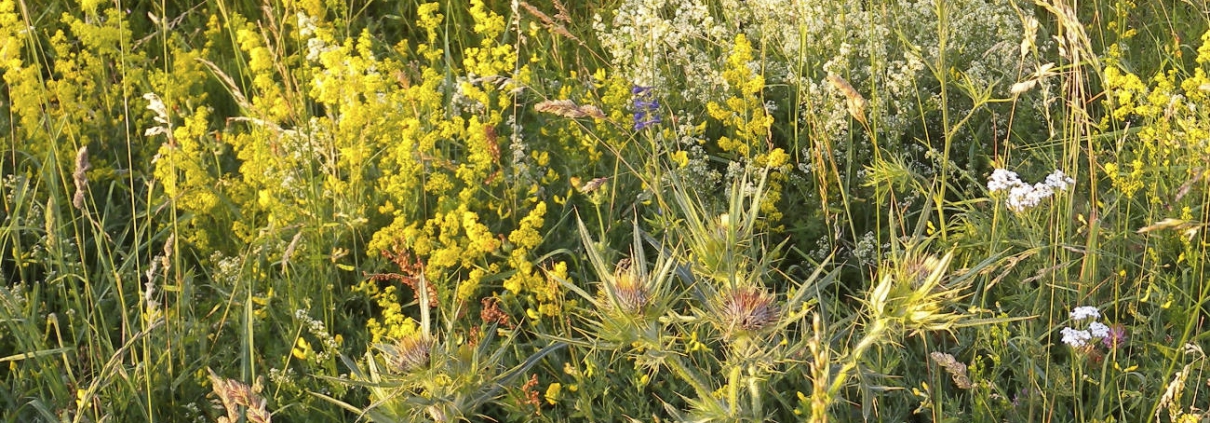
x,y
629,210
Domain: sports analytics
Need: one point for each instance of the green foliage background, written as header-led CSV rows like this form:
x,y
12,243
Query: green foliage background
x,y
316,210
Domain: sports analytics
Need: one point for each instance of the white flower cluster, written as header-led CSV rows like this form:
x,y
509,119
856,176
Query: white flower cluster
x,y
1077,338
1023,196
317,328
1085,312
656,42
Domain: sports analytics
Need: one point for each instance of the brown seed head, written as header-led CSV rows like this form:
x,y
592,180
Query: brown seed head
x,y
80,177
748,309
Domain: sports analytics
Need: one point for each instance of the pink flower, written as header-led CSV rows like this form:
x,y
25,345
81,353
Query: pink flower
x,y
1116,336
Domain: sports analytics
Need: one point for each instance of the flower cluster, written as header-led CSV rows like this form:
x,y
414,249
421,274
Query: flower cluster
x,y
645,108
1078,338
662,42
1023,196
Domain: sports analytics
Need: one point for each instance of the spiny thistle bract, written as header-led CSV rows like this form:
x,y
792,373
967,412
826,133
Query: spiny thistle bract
x,y
426,377
631,294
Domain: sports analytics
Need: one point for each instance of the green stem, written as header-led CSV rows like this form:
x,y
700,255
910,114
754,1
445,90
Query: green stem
x,y
733,388
754,391
678,368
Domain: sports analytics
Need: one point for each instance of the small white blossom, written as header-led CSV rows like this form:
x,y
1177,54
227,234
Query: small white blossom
x,y
1059,181
306,25
1075,338
1081,313
1023,196
1098,329
1003,180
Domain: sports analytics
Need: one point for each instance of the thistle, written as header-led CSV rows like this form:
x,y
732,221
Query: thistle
x,y
407,354
627,293
747,309
632,293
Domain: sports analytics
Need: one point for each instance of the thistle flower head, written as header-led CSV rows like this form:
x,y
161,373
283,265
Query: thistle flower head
x,y
747,309
629,292
407,354
1116,336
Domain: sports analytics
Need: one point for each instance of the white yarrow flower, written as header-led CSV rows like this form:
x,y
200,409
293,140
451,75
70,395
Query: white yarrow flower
x,y
1059,181
1081,313
1023,196
1075,338
1020,198
1003,180
1098,329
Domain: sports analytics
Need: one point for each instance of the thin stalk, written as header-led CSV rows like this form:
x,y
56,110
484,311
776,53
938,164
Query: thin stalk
x,y
733,377
943,80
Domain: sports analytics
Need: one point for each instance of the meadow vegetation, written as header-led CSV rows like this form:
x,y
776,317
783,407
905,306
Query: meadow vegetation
x,y
611,210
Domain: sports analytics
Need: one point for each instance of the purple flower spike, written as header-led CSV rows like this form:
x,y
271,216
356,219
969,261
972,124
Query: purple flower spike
x,y
639,126
645,107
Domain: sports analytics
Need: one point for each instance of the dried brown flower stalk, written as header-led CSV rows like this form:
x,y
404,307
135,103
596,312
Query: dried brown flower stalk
x,y
569,109
854,100
550,24
236,395
955,368
80,177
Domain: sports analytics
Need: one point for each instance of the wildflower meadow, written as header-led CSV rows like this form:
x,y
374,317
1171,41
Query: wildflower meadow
x,y
605,210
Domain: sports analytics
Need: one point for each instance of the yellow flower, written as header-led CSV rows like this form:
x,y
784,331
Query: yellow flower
x,y
302,349
554,392
777,158
681,158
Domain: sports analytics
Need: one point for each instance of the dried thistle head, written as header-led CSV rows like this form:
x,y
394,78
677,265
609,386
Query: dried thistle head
x,y
747,309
